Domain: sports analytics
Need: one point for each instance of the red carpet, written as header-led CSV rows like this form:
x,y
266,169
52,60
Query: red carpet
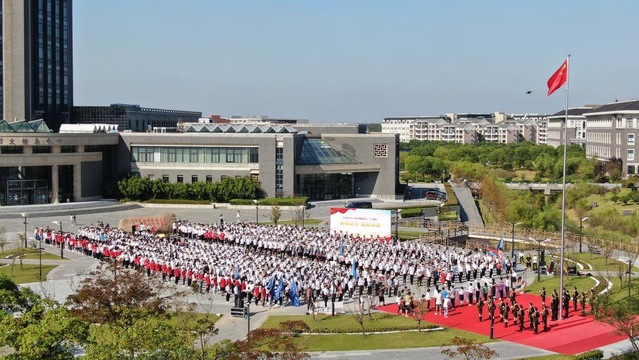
x,y
570,336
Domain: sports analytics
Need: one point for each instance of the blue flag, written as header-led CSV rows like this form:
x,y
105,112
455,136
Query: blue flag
x,y
278,290
341,248
500,247
294,298
354,271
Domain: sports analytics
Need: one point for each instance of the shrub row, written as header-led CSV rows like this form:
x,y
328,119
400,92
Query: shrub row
x,y
590,355
294,201
177,201
603,285
383,329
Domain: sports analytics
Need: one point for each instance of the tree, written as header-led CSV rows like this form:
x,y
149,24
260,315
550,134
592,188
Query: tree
x,y
19,253
3,238
262,344
468,350
420,311
111,295
622,315
275,214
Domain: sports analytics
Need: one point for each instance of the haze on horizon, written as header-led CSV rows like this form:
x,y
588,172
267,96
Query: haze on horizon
x,y
352,61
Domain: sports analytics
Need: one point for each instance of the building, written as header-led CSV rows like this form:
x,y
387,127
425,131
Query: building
x,y
415,127
37,61
134,118
575,130
612,132
286,161
41,167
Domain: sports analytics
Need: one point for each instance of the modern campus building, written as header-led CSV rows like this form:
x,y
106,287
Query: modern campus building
x,y
612,131
39,167
575,130
134,117
37,61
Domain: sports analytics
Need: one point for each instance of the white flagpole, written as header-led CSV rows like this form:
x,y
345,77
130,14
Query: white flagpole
x,y
563,196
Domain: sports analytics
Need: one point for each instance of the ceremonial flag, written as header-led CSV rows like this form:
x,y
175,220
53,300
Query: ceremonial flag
x,y
559,78
341,248
278,290
500,246
354,271
294,298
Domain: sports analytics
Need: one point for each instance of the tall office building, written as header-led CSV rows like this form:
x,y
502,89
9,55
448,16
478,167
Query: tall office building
x,y
37,63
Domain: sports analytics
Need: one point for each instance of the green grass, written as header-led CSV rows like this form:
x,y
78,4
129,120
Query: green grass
x,y
401,340
598,262
409,235
26,274
550,357
33,256
382,322
617,293
552,282
344,322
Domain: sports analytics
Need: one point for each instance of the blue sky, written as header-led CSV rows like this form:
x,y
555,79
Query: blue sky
x,y
352,61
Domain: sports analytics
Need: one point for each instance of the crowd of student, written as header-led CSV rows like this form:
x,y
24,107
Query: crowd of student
x,y
278,263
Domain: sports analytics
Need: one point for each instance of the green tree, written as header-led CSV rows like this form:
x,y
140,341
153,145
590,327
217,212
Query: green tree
x,y
622,315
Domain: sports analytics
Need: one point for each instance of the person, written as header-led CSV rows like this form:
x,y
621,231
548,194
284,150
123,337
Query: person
x,y
522,316
535,320
446,305
221,221
554,306
491,309
531,311
544,316
480,308
583,303
566,303
515,311
575,298
438,302
237,216
542,293
428,297
505,310
72,218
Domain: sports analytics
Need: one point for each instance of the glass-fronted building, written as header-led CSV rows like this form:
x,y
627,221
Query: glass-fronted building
x,y
37,61
134,117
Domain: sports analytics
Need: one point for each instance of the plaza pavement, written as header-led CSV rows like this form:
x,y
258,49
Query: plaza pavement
x,y
64,279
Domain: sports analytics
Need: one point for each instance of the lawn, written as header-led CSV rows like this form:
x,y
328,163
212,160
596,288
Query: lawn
x,y
552,282
307,222
33,256
598,262
26,274
343,342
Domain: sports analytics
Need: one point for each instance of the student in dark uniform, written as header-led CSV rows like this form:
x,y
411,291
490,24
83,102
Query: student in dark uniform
x,y
566,304
544,316
575,298
531,311
505,312
480,308
535,320
522,316
554,307
542,293
491,309
583,303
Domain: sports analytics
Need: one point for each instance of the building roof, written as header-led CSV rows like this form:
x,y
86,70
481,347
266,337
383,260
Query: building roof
x,y
227,128
576,111
318,152
38,126
87,128
617,107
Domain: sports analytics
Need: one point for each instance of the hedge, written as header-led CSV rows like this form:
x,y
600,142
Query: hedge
x,y
177,201
295,201
590,355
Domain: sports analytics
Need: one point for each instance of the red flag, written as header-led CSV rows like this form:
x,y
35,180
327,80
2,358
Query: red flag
x,y
559,78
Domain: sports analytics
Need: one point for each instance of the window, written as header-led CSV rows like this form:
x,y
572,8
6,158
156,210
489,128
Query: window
x,y
209,178
631,155
180,178
631,139
631,169
165,178
151,177
193,179
42,149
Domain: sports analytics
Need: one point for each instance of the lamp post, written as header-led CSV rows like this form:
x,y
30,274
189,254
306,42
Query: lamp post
x,y
59,223
512,254
581,231
25,216
539,258
629,273
397,213
257,214
303,214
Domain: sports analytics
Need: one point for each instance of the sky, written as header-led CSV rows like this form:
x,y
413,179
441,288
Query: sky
x,y
341,61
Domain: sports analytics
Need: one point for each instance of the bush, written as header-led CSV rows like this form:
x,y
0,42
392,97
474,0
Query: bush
x,y
590,355
178,201
411,212
294,201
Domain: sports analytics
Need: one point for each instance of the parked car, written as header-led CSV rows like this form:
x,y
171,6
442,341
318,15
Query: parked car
x,y
359,205
434,195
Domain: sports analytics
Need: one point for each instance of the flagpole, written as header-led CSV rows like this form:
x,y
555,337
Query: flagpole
x,y
563,195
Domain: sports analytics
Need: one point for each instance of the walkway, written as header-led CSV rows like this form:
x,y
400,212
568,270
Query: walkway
x,y
469,213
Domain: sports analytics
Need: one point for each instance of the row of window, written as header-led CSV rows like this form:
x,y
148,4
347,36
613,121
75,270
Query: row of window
x,y
195,178
202,155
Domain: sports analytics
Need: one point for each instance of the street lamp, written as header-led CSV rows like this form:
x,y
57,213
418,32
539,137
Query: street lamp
x,y
539,262
59,223
25,216
512,254
397,213
257,214
581,231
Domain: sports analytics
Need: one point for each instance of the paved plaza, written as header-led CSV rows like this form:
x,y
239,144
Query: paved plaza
x,y
62,281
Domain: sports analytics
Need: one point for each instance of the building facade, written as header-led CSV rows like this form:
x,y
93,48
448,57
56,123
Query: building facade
x,y
575,130
612,132
286,161
133,117
37,61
